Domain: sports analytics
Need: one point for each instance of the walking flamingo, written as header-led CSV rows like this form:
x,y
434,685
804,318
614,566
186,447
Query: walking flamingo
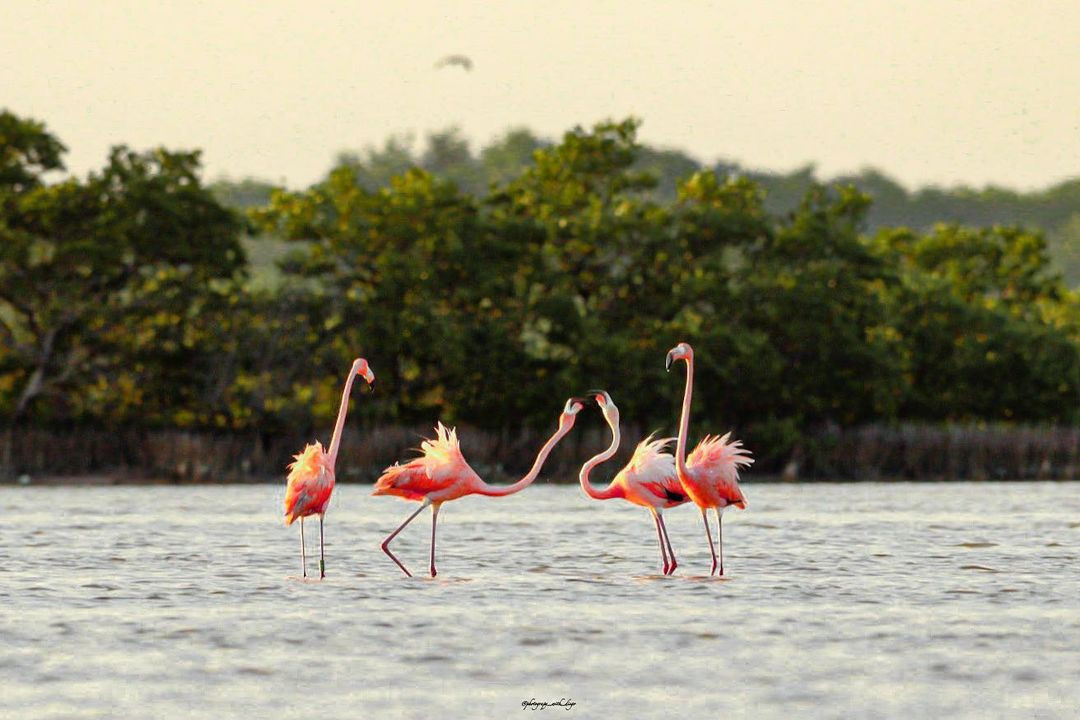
x,y
710,476
648,479
311,477
441,474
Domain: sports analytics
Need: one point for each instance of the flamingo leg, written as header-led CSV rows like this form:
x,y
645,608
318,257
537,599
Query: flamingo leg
x,y
708,534
303,550
322,551
386,543
720,537
667,539
434,516
660,539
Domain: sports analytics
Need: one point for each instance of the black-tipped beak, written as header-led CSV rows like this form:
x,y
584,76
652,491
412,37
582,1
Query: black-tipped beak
x,y
667,362
580,401
371,386
591,395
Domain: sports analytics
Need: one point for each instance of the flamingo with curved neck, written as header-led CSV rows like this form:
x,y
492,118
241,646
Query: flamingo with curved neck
x,y
311,478
648,479
710,475
612,490
441,474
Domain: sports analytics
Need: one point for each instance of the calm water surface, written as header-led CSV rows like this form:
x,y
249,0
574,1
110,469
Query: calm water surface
x,y
864,600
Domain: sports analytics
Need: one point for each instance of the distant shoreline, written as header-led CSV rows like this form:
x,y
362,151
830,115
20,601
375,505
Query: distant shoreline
x,y
93,457
120,480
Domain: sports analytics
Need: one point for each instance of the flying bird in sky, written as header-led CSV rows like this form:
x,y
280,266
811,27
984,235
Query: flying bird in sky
x,y
461,60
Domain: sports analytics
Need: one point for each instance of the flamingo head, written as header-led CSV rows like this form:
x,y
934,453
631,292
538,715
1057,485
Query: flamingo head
x,y
682,351
607,405
360,367
569,414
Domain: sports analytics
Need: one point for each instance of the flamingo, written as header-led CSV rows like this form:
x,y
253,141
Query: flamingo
x,y
311,477
648,480
441,474
710,476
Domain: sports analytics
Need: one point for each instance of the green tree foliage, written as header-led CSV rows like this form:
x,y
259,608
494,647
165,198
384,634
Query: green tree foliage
x,y
96,274
976,308
585,278
487,288
1064,244
1053,209
405,273
584,239
447,155
242,194
27,152
375,167
509,156
816,290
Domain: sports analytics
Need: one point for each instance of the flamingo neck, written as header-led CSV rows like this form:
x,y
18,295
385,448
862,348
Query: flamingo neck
x,y
335,439
535,470
610,491
684,421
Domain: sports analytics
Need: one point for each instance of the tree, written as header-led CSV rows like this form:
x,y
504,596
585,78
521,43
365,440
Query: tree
x,y
411,266
586,238
1065,248
669,167
82,261
27,152
448,157
242,194
506,157
975,309
374,167
815,289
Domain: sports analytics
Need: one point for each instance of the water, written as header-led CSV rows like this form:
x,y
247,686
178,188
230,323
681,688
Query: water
x,y
862,600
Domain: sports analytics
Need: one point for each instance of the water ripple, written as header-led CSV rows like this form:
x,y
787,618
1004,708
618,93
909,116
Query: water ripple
x,y
188,602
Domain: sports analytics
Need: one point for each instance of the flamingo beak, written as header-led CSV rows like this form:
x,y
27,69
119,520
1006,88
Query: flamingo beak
x,y
668,361
573,406
594,395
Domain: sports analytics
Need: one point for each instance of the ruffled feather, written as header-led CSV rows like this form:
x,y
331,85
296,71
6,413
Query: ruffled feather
x,y
724,456
439,464
309,484
649,452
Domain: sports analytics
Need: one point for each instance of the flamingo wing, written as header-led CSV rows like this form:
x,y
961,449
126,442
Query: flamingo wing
x,y
309,484
439,467
719,459
652,470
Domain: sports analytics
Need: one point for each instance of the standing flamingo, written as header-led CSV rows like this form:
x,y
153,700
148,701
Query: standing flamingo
x,y
710,476
311,476
648,480
441,474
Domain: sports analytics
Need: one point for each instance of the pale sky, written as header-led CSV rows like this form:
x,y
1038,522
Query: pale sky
x,y
939,92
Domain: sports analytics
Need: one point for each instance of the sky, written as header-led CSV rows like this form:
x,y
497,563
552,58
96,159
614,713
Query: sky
x,y
945,93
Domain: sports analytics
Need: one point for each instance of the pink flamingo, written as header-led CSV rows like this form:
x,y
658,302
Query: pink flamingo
x,y
648,480
710,476
441,474
311,477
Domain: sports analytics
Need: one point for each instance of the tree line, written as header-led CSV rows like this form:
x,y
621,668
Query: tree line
x,y
127,301
447,154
